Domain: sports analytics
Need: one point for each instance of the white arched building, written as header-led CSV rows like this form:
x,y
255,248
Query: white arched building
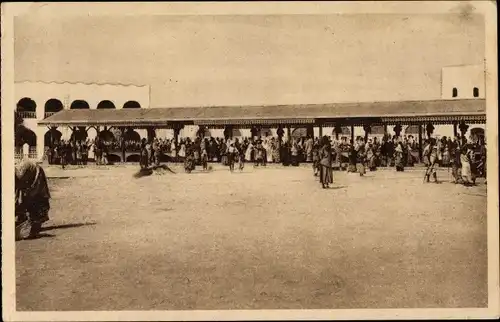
x,y
458,83
39,100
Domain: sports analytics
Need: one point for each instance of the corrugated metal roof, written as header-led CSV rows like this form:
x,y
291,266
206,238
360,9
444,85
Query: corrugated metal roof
x,y
163,116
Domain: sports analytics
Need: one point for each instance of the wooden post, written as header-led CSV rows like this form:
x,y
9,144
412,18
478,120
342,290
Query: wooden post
x,y
75,129
455,129
176,136
122,129
288,133
310,131
151,133
367,129
320,131
420,141
352,134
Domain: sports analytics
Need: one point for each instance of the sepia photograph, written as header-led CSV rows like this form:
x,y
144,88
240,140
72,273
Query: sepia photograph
x,y
237,160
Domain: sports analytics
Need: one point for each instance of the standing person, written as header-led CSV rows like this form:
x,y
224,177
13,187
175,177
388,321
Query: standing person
x,y
410,148
241,157
370,156
316,159
204,157
465,160
79,154
446,151
360,157
157,152
431,154
182,151
352,157
326,173
294,151
455,160
105,155
248,152
62,151
276,151
309,145
259,154
173,151
231,156
98,152
223,152
197,151
85,152
144,163
399,157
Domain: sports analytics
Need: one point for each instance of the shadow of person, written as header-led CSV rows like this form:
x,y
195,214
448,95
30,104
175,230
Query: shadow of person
x,y
66,226
40,236
336,187
163,167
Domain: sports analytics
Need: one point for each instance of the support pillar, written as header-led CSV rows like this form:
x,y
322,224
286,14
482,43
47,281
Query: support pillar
x,y
337,129
455,129
320,131
40,142
75,131
151,133
228,132
122,130
368,130
429,129
352,134
397,130
288,133
310,131
420,141
463,129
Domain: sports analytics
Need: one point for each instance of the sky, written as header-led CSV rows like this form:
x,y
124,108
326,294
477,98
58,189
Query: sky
x,y
250,59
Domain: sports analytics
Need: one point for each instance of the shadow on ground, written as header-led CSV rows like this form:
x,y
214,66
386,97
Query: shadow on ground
x,y
67,226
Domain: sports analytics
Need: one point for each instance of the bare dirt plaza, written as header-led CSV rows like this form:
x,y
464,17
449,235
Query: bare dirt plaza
x,y
267,238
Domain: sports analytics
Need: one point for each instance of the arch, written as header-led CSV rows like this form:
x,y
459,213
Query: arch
x,y
79,105
475,92
207,133
106,135
133,158
131,135
112,158
476,134
237,133
26,104
345,131
132,104
26,136
105,105
265,132
300,132
79,134
53,105
51,136
411,130
377,130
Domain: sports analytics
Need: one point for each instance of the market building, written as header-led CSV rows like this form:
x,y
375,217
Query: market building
x,y
57,110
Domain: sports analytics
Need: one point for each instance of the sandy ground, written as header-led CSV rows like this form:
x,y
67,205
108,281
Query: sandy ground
x,y
267,238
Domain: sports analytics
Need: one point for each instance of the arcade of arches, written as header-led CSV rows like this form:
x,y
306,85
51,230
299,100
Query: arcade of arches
x,y
53,105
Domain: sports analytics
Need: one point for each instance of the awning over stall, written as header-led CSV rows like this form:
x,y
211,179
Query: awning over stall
x,y
404,112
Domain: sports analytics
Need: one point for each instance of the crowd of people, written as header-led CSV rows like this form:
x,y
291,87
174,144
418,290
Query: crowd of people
x,y
353,156
467,160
